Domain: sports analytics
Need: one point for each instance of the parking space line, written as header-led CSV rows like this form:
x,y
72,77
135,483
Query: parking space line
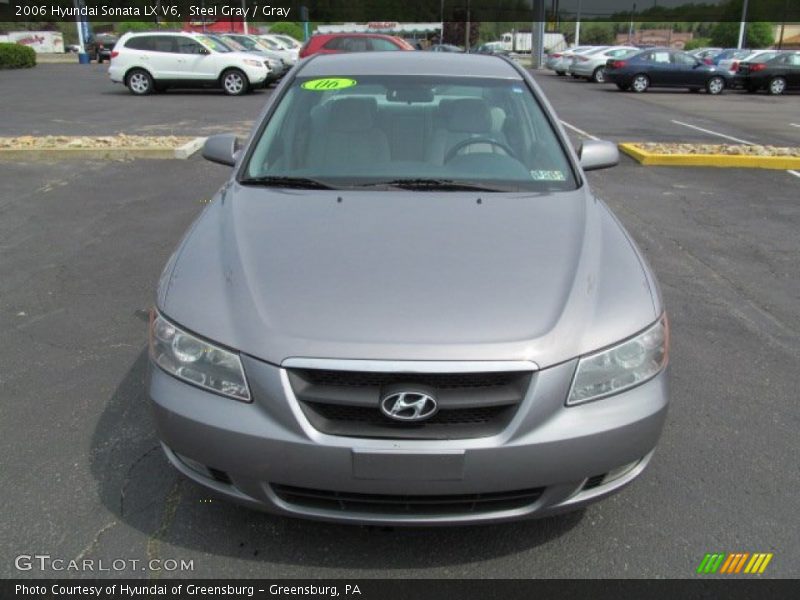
x,y
795,173
730,137
795,124
579,131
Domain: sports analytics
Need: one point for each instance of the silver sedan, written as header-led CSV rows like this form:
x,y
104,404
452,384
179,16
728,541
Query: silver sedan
x,y
364,328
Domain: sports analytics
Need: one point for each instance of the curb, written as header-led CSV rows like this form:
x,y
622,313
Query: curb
x,y
644,157
148,152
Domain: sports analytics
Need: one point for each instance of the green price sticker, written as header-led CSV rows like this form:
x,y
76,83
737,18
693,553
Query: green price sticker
x,y
328,84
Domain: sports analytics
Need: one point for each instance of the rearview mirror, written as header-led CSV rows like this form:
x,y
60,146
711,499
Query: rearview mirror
x,y
598,154
221,148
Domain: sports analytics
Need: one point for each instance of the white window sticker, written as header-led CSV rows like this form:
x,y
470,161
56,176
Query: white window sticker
x,y
548,176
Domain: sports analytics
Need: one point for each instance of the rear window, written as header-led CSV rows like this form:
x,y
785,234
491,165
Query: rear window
x,y
353,131
144,42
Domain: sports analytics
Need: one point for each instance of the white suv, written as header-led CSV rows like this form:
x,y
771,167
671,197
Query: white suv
x,y
147,62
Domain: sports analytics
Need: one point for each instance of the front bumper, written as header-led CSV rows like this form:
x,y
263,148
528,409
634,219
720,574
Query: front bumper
x,y
244,452
255,75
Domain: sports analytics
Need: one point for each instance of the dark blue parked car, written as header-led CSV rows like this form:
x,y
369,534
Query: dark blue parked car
x,y
665,67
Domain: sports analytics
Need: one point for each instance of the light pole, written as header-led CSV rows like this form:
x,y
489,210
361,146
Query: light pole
x,y
244,12
537,33
466,31
742,25
630,29
441,22
578,25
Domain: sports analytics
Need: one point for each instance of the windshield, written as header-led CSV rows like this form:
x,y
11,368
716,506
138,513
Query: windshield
x,y
271,45
289,42
243,41
385,130
231,44
213,43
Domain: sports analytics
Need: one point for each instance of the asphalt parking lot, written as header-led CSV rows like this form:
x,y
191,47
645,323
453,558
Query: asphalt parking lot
x,y
83,244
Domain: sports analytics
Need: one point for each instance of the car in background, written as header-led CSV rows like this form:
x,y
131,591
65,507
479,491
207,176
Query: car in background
x,y
726,53
247,43
776,74
732,64
151,62
665,67
101,46
287,40
445,48
289,54
336,43
363,328
493,48
592,65
560,61
706,54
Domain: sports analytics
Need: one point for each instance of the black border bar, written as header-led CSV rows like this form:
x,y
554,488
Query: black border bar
x,y
732,588
323,11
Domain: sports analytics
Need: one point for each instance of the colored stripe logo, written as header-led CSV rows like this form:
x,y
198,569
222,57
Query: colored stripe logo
x,y
734,563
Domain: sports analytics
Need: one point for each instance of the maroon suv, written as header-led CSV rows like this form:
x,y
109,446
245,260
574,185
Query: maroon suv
x,y
333,43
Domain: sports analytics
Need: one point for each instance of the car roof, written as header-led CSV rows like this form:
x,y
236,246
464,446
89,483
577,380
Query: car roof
x,y
402,63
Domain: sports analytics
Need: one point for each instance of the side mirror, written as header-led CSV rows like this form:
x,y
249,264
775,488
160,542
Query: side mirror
x,y
598,154
222,148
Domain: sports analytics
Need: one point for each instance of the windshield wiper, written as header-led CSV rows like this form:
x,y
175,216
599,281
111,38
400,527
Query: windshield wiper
x,y
434,184
287,182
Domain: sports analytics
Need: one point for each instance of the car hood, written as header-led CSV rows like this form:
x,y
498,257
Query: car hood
x,y
408,276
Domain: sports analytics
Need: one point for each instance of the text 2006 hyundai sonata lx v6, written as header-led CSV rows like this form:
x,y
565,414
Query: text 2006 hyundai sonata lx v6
x,y
406,307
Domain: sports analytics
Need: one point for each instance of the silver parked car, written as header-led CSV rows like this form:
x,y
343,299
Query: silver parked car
x,y
592,66
560,61
405,306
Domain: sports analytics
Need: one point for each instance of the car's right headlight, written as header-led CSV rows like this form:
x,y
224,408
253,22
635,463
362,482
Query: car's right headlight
x,y
622,366
196,361
253,63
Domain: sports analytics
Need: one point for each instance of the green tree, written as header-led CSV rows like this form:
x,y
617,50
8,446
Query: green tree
x,y
455,32
759,34
597,34
697,42
289,28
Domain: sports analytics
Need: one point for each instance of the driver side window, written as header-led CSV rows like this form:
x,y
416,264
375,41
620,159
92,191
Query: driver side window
x,y
187,46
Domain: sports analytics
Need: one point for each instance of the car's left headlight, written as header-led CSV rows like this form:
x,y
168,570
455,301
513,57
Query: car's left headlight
x,y
623,366
197,361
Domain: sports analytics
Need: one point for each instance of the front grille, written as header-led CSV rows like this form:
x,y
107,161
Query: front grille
x,y
368,414
434,380
347,403
418,505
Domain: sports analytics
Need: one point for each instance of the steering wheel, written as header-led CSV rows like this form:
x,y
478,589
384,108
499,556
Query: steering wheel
x,y
451,154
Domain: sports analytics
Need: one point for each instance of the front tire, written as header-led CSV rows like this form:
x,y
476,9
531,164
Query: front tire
x,y
640,83
599,75
715,86
139,82
235,82
777,85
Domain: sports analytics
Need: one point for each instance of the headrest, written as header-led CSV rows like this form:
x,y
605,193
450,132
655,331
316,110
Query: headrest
x,y
470,115
353,114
